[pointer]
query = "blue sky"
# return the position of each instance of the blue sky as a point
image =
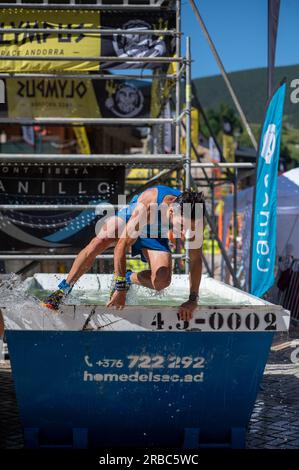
(239, 31)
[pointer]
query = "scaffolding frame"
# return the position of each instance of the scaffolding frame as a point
(169, 163)
(173, 162)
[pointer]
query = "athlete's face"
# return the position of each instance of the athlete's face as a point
(181, 225)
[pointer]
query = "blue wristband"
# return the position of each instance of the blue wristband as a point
(64, 286)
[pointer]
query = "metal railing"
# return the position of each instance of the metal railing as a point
(152, 5)
(288, 289)
(140, 160)
(61, 257)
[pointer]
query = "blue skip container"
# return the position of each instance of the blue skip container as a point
(141, 377)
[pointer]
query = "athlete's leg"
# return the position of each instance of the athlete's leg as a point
(106, 237)
(158, 277)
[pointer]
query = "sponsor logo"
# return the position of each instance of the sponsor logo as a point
(124, 100)
(136, 44)
(19, 39)
(51, 89)
(269, 143)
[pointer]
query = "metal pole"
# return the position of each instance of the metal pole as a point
(86, 159)
(154, 60)
(59, 207)
(223, 165)
(235, 219)
(188, 137)
(188, 115)
(100, 31)
(273, 19)
(212, 235)
(178, 78)
(87, 6)
(91, 76)
(224, 74)
(42, 257)
(86, 121)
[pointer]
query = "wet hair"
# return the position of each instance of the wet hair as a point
(190, 197)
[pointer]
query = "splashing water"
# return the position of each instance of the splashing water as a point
(13, 291)
(21, 308)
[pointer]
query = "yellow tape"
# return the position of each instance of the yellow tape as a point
(188, 93)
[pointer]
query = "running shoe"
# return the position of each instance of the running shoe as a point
(55, 299)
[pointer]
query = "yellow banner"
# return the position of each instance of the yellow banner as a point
(31, 98)
(155, 107)
(48, 44)
(228, 148)
(82, 139)
(194, 133)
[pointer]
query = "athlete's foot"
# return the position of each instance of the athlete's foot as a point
(54, 300)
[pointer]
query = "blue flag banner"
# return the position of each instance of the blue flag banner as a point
(263, 246)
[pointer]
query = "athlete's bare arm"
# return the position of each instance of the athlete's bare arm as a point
(187, 308)
(131, 232)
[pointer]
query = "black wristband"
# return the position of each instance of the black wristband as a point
(193, 297)
(120, 285)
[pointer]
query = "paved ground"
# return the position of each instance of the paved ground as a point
(275, 419)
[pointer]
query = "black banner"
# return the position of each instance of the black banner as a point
(136, 44)
(60, 184)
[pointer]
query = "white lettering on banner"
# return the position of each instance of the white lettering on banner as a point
(23, 187)
(2, 92)
(81, 190)
(25, 37)
(60, 190)
(51, 89)
(263, 270)
(266, 200)
(262, 246)
(103, 188)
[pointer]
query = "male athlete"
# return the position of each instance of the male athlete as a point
(143, 226)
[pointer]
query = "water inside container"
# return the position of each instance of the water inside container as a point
(15, 292)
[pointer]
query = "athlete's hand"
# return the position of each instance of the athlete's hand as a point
(186, 310)
(118, 299)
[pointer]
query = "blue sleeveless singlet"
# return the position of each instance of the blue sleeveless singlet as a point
(160, 242)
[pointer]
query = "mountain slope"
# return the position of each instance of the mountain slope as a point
(251, 89)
